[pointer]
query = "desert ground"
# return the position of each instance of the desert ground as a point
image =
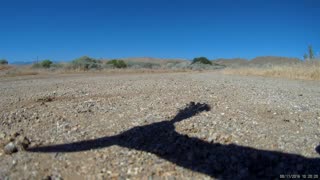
(186, 125)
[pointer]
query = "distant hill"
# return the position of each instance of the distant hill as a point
(152, 60)
(257, 61)
(232, 62)
(273, 60)
(21, 62)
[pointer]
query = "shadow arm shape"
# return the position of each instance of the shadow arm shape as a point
(191, 110)
(77, 146)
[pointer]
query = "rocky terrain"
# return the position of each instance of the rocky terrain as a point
(158, 126)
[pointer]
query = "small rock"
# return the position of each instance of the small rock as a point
(226, 139)
(215, 136)
(14, 162)
(103, 170)
(2, 135)
(46, 178)
(15, 134)
(53, 177)
(23, 142)
(10, 148)
(286, 120)
(210, 139)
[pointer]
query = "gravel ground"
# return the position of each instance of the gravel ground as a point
(158, 126)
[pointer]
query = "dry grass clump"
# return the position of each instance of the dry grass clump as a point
(14, 71)
(4, 67)
(120, 71)
(305, 71)
(27, 71)
(20, 73)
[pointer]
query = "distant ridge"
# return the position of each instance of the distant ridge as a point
(231, 62)
(21, 62)
(147, 59)
(257, 61)
(151, 60)
(274, 60)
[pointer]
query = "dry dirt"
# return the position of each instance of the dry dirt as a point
(158, 126)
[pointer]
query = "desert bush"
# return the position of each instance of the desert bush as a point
(202, 60)
(179, 65)
(201, 66)
(311, 53)
(143, 65)
(310, 56)
(43, 64)
(85, 63)
(46, 63)
(193, 66)
(3, 61)
(117, 63)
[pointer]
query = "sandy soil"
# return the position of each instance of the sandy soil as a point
(150, 126)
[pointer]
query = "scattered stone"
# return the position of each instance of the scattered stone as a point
(2, 135)
(286, 120)
(15, 134)
(22, 142)
(10, 148)
(45, 99)
(53, 177)
(242, 114)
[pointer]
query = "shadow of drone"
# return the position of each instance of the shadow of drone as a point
(214, 159)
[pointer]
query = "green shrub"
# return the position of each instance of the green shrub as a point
(85, 63)
(202, 60)
(117, 63)
(3, 61)
(310, 50)
(46, 63)
(43, 64)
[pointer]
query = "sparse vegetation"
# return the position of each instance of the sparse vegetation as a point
(311, 54)
(117, 63)
(13, 72)
(201, 60)
(5, 67)
(46, 63)
(85, 63)
(3, 62)
(43, 64)
(56, 65)
(307, 71)
(262, 66)
(143, 65)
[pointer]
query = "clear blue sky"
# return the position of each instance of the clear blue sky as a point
(66, 29)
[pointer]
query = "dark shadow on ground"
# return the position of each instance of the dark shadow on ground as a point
(214, 159)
